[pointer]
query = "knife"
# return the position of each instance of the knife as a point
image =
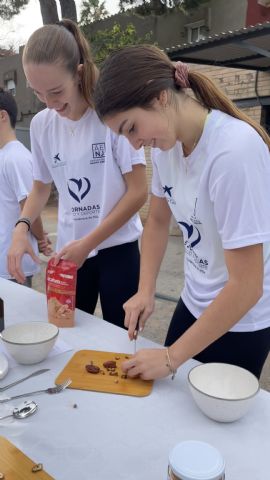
(33, 374)
(135, 335)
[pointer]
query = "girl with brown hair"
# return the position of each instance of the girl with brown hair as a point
(100, 178)
(211, 171)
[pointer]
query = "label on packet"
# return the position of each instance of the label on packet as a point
(61, 282)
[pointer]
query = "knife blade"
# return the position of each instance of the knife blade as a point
(135, 335)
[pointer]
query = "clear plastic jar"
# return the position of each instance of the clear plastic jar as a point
(194, 460)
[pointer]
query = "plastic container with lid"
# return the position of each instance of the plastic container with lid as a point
(194, 460)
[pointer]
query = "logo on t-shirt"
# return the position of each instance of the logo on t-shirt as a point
(168, 192)
(192, 237)
(98, 153)
(193, 217)
(78, 188)
(57, 161)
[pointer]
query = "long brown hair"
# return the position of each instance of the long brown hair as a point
(63, 43)
(134, 76)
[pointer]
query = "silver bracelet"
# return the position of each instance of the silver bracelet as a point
(169, 364)
(25, 220)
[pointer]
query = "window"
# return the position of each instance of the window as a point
(10, 80)
(11, 87)
(196, 31)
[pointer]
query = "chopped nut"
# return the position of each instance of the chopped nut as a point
(113, 374)
(37, 468)
(124, 375)
(109, 364)
(127, 357)
(117, 358)
(92, 368)
(116, 381)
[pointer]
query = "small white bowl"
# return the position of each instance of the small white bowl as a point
(29, 342)
(222, 391)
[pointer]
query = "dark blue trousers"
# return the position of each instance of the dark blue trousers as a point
(113, 275)
(245, 349)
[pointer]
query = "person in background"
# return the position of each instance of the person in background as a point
(16, 178)
(100, 178)
(211, 171)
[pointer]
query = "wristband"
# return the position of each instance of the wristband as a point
(173, 371)
(25, 220)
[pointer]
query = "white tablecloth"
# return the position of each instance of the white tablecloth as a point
(120, 437)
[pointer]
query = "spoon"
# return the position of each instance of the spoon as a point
(23, 411)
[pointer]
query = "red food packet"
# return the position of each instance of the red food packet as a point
(61, 282)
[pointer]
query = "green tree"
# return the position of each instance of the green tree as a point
(10, 8)
(105, 41)
(159, 7)
(92, 11)
(48, 8)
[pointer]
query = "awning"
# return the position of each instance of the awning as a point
(244, 48)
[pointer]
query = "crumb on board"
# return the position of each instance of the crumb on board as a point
(37, 467)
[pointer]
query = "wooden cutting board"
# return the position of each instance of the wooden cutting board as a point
(102, 382)
(15, 465)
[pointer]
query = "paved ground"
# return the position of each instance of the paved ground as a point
(170, 283)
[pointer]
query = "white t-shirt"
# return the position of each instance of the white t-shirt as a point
(220, 198)
(86, 161)
(16, 178)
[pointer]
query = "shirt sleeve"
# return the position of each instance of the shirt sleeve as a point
(156, 186)
(19, 175)
(40, 169)
(125, 155)
(239, 184)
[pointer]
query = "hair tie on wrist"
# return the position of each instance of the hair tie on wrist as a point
(181, 75)
(25, 220)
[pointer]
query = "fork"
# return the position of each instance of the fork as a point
(57, 389)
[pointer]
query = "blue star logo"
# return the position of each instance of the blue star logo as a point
(167, 190)
(57, 158)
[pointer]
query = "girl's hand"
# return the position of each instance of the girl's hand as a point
(44, 245)
(147, 364)
(139, 307)
(19, 246)
(75, 251)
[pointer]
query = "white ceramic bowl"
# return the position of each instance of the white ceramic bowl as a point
(223, 392)
(29, 342)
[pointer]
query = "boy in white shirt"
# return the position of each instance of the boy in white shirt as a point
(15, 183)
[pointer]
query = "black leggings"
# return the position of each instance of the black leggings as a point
(245, 349)
(113, 274)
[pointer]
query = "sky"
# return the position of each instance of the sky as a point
(16, 31)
